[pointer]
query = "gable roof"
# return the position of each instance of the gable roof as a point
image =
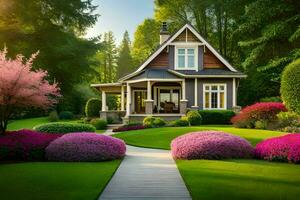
(168, 42)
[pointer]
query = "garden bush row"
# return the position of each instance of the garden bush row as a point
(64, 127)
(32, 145)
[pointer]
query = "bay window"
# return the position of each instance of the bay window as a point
(214, 96)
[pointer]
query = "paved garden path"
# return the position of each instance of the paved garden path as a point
(146, 174)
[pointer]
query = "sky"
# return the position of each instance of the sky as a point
(120, 15)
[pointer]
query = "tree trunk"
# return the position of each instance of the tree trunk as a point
(219, 27)
(225, 35)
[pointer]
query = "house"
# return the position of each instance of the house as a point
(185, 72)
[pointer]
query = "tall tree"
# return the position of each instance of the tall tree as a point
(125, 63)
(54, 28)
(146, 40)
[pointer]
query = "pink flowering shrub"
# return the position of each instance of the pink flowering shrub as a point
(284, 148)
(210, 145)
(265, 111)
(24, 145)
(85, 147)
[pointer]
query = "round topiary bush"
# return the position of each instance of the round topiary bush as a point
(290, 84)
(66, 115)
(210, 145)
(64, 127)
(284, 148)
(24, 145)
(99, 124)
(85, 147)
(93, 107)
(194, 117)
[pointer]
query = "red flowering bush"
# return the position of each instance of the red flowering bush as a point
(25, 145)
(210, 145)
(85, 147)
(264, 112)
(284, 148)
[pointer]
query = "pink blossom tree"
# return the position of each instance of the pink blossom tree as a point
(21, 87)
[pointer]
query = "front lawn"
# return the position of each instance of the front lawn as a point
(240, 179)
(162, 137)
(53, 180)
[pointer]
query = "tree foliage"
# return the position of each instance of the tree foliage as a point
(125, 62)
(21, 87)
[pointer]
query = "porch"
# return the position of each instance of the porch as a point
(164, 98)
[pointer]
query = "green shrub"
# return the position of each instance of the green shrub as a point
(261, 124)
(93, 107)
(216, 116)
(194, 117)
(181, 122)
(99, 124)
(64, 127)
(290, 84)
(110, 120)
(66, 115)
(53, 116)
(288, 119)
(270, 99)
(151, 122)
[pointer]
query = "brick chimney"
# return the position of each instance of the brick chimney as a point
(164, 33)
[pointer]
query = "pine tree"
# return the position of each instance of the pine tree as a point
(124, 63)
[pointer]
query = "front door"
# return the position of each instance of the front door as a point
(139, 101)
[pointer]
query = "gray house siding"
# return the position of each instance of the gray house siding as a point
(190, 91)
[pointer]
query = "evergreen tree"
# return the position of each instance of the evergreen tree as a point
(125, 64)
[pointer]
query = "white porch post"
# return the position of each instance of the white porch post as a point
(183, 90)
(122, 98)
(149, 91)
(196, 93)
(128, 100)
(233, 92)
(103, 101)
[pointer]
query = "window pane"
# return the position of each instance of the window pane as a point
(175, 98)
(181, 51)
(191, 51)
(191, 62)
(214, 100)
(222, 100)
(221, 87)
(181, 61)
(214, 87)
(206, 87)
(206, 99)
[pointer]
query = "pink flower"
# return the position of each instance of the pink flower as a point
(210, 145)
(85, 147)
(284, 148)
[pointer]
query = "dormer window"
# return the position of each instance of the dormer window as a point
(186, 58)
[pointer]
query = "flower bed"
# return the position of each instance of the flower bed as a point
(129, 128)
(210, 145)
(85, 147)
(264, 112)
(25, 145)
(284, 148)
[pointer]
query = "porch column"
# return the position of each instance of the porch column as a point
(196, 94)
(233, 93)
(183, 101)
(128, 100)
(122, 98)
(149, 101)
(103, 101)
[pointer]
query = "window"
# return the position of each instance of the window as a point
(186, 58)
(214, 96)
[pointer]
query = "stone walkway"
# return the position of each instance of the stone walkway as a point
(146, 174)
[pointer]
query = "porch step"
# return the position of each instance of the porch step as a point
(113, 126)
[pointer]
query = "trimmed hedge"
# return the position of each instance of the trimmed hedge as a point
(180, 122)
(290, 84)
(66, 115)
(93, 107)
(194, 117)
(216, 116)
(64, 127)
(99, 124)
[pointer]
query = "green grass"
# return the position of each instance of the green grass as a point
(162, 137)
(32, 122)
(240, 179)
(50, 180)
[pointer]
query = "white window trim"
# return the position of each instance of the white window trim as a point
(195, 47)
(218, 103)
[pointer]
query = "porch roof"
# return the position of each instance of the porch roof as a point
(108, 87)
